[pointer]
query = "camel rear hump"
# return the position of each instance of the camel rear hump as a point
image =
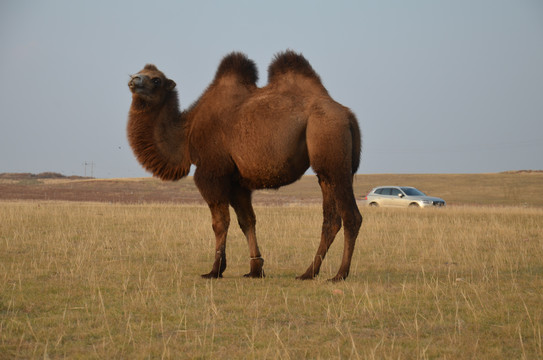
(290, 61)
(290, 70)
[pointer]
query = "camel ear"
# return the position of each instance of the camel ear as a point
(170, 85)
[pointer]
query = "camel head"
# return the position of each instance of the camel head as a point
(150, 85)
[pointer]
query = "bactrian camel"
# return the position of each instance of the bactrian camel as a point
(241, 138)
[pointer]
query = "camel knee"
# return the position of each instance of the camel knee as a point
(220, 219)
(331, 225)
(353, 222)
(246, 224)
(359, 219)
(336, 223)
(220, 226)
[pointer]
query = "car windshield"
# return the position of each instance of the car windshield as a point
(412, 192)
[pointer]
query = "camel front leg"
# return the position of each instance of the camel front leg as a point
(240, 200)
(220, 221)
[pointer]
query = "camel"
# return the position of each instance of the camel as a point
(241, 138)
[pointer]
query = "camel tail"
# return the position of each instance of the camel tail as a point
(356, 142)
(240, 65)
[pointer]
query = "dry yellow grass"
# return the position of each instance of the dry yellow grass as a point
(90, 280)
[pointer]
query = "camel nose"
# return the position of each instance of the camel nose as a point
(135, 81)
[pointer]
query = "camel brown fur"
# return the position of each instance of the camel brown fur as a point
(242, 138)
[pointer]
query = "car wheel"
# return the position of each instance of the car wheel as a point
(414, 205)
(374, 204)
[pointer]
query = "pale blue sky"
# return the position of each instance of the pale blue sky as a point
(437, 86)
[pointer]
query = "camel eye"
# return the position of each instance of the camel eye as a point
(156, 81)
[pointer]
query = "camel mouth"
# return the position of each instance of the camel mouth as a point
(136, 83)
(134, 88)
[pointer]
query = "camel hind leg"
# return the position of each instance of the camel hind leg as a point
(330, 143)
(352, 220)
(331, 224)
(339, 205)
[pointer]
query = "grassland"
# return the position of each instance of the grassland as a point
(111, 280)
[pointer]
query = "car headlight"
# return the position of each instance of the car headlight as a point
(426, 202)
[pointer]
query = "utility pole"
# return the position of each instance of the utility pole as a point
(86, 163)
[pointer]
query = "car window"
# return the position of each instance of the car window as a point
(394, 191)
(378, 191)
(385, 191)
(412, 191)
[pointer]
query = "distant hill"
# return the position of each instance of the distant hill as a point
(43, 175)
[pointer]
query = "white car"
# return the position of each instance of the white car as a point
(401, 196)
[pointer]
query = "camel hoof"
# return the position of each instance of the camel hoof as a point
(256, 275)
(337, 278)
(211, 275)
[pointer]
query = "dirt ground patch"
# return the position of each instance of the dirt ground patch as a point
(140, 190)
(521, 188)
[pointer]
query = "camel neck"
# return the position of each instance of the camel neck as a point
(157, 136)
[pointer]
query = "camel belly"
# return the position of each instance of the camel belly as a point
(272, 177)
(272, 166)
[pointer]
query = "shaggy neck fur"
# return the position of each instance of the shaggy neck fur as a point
(158, 137)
